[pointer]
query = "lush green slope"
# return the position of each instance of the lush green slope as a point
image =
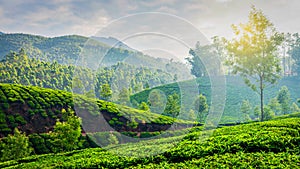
(35, 110)
(267, 144)
(236, 92)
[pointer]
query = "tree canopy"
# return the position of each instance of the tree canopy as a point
(253, 52)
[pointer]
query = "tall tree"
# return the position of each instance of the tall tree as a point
(295, 53)
(284, 98)
(173, 105)
(246, 110)
(253, 53)
(105, 91)
(275, 106)
(198, 68)
(202, 107)
(124, 97)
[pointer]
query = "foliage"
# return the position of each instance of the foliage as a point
(275, 106)
(105, 92)
(173, 105)
(295, 108)
(283, 98)
(236, 91)
(295, 51)
(66, 134)
(204, 60)
(267, 144)
(18, 68)
(41, 107)
(269, 114)
(144, 106)
(198, 67)
(246, 110)
(201, 107)
(253, 53)
(15, 146)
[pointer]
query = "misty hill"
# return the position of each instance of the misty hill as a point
(70, 49)
(113, 42)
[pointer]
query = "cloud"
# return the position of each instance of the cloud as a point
(214, 17)
(223, 1)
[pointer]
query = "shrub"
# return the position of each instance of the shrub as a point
(15, 146)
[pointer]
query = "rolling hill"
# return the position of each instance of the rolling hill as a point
(96, 52)
(236, 92)
(35, 110)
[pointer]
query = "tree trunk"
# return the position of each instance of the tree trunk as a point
(261, 99)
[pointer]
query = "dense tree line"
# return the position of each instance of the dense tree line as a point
(18, 68)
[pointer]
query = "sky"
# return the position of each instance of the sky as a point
(143, 23)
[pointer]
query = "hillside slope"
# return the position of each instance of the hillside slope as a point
(236, 92)
(270, 144)
(35, 110)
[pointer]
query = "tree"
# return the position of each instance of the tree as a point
(201, 106)
(124, 98)
(105, 92)
(246, 110)
(284, 98)
(275, 106)
(295, 108)
(295, 52)
(157, 101)
(173, 105)
(191, 115)
(198, 68)
(256, 112)
(66, 134)
(15, 146)
(269, 114)
(252, 53)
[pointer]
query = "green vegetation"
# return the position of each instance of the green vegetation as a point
(202, 107)
(35, 110)
(252, 53)
(54, 128)
(18, 68)
(14, 146)
(65, 135)
(272, 143)
(283, 98)
(68, 50)
(246, 110)
(236, 91)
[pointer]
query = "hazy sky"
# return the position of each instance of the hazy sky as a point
(87, 17)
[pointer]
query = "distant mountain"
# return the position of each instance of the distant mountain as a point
(1, 33)
(113, 42)
(68, 49)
